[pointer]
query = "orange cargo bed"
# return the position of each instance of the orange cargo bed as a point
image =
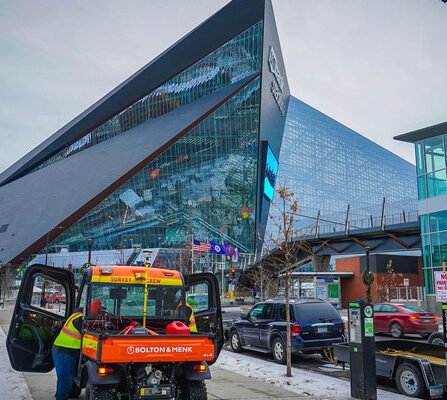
(148, 349)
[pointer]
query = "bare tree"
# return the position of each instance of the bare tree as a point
(289, 253)
(185, 257)
(385, 283)
(263, 280)
(121, 257)
(7, 278)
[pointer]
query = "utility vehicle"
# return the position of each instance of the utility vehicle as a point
(133, 349)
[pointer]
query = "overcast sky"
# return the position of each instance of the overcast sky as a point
(379, 67)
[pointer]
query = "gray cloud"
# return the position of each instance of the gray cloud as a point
(378, 67)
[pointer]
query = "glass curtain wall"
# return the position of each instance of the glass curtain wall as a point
(431, 167)
(432, 182)
(200, 186)
(237, 59)
(434, 245)
(330, 166)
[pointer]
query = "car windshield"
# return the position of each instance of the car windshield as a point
(412, 308)
(315, 312)
(127, 300)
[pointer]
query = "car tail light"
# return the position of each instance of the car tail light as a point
(199, 367)
(435, 317)
(296, 330)
(344, 326)
(413, 317)
(104, 370)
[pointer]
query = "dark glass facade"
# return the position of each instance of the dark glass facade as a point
(202, 186)
(236, 60)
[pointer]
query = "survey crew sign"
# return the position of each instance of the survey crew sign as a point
(441, 286)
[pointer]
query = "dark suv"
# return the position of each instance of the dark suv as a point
(316, 325)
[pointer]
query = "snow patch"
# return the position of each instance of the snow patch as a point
(11, 382)
(303, 382)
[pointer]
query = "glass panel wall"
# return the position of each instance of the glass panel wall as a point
(201, 186)
(237, 59)
(330, 166)
(431, 167)
(434, 245)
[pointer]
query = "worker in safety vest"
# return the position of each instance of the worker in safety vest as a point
(190, 315)
(66, 351)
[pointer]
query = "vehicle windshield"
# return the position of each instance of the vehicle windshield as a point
(127, 300)
(412, 308)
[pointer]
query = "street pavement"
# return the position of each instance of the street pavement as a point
(224, 385)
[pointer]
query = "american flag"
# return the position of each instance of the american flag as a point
(201, 246)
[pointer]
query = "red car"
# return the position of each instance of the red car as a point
(399, 319)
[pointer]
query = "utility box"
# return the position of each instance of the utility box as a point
(362, 349)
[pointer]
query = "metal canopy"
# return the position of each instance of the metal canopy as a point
(399, 237)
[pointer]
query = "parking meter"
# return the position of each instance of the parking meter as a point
(362, 351)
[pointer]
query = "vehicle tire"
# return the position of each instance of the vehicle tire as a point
(99, 392)
(193, 390)
(436, 338)
(396, 330)
(409, 380)
(235, 342)
(75, 391)
(279, 351)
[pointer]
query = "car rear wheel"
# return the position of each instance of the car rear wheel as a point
(235, 342)
(409, 380)
(436, 338)
(396, 330)
(279, 351)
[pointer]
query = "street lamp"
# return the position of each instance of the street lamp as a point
(147, 254)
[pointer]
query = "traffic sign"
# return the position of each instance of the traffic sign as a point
(441, 286)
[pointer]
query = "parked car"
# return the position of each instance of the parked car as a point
(229, 316)
(55, 297)
(399, 319)
(316, 325)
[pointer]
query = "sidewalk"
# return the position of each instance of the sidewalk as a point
(12, 383)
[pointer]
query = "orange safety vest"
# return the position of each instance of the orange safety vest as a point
(69, 336)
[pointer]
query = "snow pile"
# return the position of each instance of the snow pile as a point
(12, 382)
(303, 382)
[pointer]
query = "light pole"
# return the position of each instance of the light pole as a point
(368, 278)
(89, 247)
(147, 254)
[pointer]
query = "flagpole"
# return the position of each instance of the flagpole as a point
(192, 254)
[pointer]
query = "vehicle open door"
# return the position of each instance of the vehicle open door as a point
(203, 297)
(45, 300)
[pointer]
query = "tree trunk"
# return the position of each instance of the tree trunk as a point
(288, 330)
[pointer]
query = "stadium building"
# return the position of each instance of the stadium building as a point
(189, 148)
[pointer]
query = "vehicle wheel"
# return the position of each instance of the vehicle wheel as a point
(396, 330)
(99, 392)
(75, 391)
(194, 390)
(279, 351)
(235, 342)
(436, 338)
(409, 380)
